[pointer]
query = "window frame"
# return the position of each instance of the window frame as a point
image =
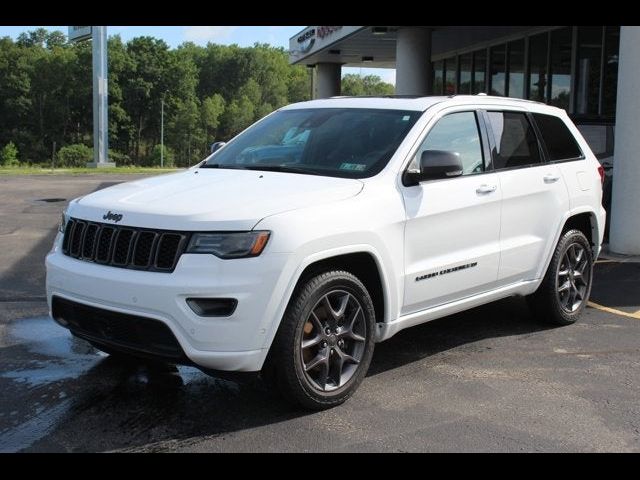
(544, 145)
(544, 159)
(484, 145)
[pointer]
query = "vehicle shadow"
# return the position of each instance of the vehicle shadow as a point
(135, 406)
(504, 318)
(24, 280)
(617, 284)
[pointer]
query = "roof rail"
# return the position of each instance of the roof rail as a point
(384, 96)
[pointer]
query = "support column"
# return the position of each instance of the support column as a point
(327, 80)
(100, 102)
(625, 206)
(413, 61)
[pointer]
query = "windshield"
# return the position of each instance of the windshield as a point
(338, 142)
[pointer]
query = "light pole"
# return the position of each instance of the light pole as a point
(98, 35)
(162, 129)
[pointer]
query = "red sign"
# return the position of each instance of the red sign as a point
(326, 31)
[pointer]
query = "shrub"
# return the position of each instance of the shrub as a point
(169, 156)
(120, 159)
(75, 155)
(9, 155)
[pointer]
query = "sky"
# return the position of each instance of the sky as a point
(244, 36)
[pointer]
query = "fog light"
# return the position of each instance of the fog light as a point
(212, 307)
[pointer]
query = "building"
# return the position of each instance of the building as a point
(592, 72)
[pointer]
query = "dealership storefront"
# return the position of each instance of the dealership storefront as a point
(593, 72)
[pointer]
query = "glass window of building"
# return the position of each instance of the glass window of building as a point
(479, 69)
(560, 68)
(464, 87)
(450, 74)
(437, 77)
(610, 77)
(516, 69)
(498, 70)
(588, 70)
(538, 49)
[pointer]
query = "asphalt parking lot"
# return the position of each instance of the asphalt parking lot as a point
(491, 379)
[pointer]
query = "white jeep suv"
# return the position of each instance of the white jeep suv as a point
(331, 225)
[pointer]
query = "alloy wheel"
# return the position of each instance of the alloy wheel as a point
(573, 278)
(333, 340)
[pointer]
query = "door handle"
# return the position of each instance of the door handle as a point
(551, 178)
(485, 189)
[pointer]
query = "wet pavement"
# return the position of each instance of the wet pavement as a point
(491, 379)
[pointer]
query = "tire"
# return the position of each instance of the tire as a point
(564, 291)
(333, 314)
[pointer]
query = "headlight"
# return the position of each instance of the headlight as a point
(63, 222)
(229, 245)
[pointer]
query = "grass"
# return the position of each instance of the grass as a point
(82, 170)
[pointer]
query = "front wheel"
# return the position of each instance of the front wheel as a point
(565, 290)
(325, 342)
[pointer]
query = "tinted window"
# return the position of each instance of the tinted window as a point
(437, 77)
(450, 68)
(560, 67)
(558, 139)
(338, 142)
(479, 67)
(538, 46)
(465, 74)
(456, 132)
(589, 67)
(516, 143)
(610, 80)
(498, 70)
(516, 69)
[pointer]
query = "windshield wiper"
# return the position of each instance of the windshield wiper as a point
(265, 167)
(215, 165)
(281, 168)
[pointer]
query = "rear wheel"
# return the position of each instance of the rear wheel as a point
(325, 342)
(565, 290)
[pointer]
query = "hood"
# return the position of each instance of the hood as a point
(210, 199)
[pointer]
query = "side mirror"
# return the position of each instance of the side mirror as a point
(434, 164)
(217, 146)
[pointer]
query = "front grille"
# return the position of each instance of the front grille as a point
(123, 247)
(118, 330)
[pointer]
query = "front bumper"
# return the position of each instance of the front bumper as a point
(234, 343)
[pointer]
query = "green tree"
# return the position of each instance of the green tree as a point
(211, 111)
(238, 116)
(365, 85)
(210, 93)
(143, 86)
(9, 155)
(168, 160)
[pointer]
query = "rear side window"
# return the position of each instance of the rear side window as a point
(516, 144)
(558, 139)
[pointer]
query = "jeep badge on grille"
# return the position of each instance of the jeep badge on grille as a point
(116, 217)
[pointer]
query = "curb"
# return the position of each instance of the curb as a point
(607, 254)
